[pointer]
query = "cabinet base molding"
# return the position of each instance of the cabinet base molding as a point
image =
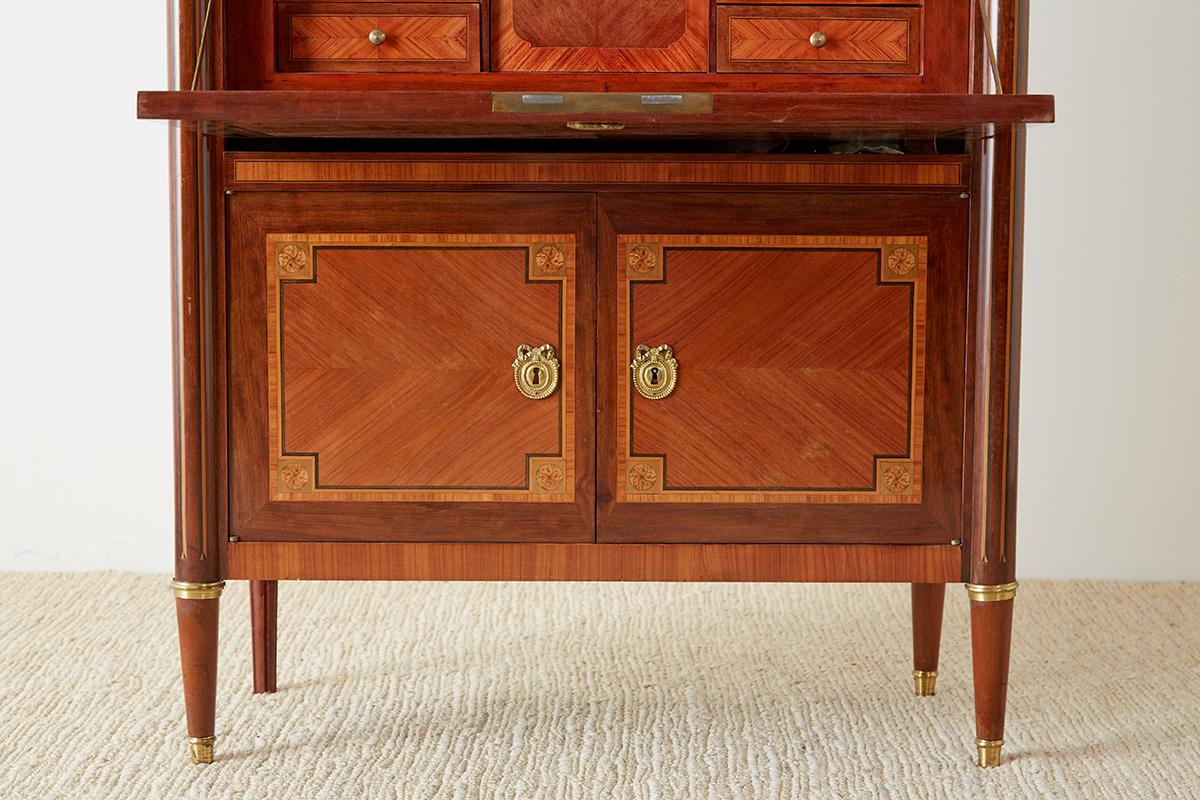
(592, 562)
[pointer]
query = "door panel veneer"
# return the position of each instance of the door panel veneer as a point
(586, 36)
(373, 340)
(818, 392)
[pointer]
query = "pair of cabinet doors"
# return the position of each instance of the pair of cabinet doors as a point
(452, 366)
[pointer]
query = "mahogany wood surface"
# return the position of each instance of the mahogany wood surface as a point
(255, 511)
(591, 562)
(197, 620)
(928, 605)
(196, 315)
(613, 36)
(390, 171)
(469, 113)
(575, 38)
(935, 518)
(877, 41)
(803, 367)
(264, 620)
(230, 521)
(393, 356)
(421, 37)
(991, 642)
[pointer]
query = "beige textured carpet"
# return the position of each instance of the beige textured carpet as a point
(594, 691)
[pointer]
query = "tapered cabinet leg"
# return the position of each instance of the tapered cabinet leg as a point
(991, 639)
(928, 601)
(196, 609)
(263, 615)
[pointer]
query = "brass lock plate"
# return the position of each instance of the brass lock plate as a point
(655, 371)
(535, 371)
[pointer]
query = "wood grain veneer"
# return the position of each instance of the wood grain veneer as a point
(775, 517)
(591, 562)
(872, 40)
(586, 36)
(464, 113)
(316, 171)
(805, 382)
(421, 37)
(390, 362)
(368, 325)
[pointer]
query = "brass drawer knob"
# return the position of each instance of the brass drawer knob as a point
(376, 37)
(818, 39)
(655, 371)
(536, 371)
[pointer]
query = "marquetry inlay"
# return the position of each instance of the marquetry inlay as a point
(547, 474)
(900, 261)
(293, 260)
(549, 259)
(896, 477)
(295, 476)
(803, 364)
(346, 412)
(644, 261)
(644, 476)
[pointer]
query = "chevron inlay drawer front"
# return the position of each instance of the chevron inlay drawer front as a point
(378, 37)
(831, 39)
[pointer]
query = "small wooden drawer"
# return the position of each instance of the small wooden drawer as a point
(378, 37)
(860, 40)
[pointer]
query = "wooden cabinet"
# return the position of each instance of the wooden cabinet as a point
(375, 384)
(814, 384)
(669, 290)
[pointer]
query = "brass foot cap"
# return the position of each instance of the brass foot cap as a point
(989, 752)
(925, 682)
(202, 749)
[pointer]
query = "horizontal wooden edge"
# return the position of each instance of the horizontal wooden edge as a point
(281, 171)
(347, 109)
(593, 562)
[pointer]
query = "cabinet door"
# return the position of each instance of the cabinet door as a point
(411, 367)
(782, 367)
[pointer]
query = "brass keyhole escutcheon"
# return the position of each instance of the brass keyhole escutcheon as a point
(536, 371)
(655, 371)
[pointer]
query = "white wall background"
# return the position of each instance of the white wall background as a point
(1110, 427)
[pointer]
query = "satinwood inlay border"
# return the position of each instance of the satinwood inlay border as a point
(645, 477)
(294, 258)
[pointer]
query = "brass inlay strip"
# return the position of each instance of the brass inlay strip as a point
(602, 103)
(197, 591)
(203, 42)
(992, 594)
(991, 49)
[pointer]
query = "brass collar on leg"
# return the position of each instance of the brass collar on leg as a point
(197, 591)
(202, 749)
(992, 594)
(925, 682)
(988, 751)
